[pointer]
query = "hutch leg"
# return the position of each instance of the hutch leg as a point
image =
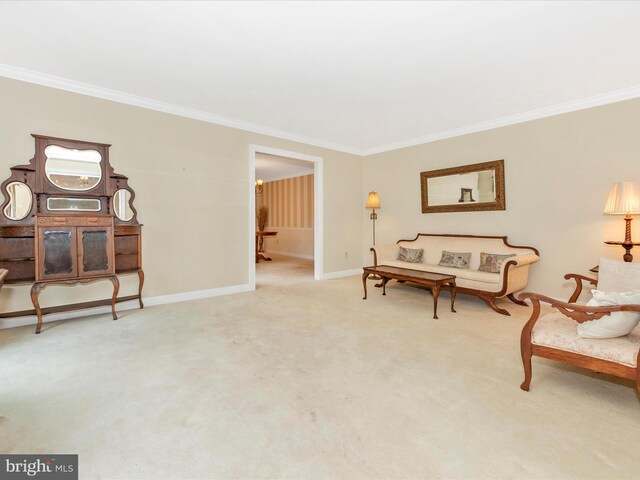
(436, 292)
(140, 284)
(116, 287)
(453, 297)
(364, 284)
(35, 292)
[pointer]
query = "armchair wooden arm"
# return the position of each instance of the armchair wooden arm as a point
(580, 314)
(579, 279)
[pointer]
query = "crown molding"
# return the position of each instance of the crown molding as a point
(60, 83)
(582, 104)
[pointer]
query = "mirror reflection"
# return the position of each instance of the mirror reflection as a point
(122, 205)
(466, 188)
(71, 169)
(73, 204)
(476, 187)
(20, 201)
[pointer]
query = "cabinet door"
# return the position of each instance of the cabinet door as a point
(57, 253)
(95, 251)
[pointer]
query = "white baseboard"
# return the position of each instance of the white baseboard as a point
(289, 254)
(343, 273)
(128, 305)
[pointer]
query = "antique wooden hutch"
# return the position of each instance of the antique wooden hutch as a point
(68, 218)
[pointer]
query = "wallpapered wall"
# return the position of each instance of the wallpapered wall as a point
(290, 205)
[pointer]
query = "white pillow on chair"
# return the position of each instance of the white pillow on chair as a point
(617, 324)
(617, 276)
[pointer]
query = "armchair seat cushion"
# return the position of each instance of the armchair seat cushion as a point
(558, 331)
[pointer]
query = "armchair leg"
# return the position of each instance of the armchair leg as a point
(516, 301)
(525, 351)
(491, 301)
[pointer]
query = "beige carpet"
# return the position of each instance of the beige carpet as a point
(309, 381)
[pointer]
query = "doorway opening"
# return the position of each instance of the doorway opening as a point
(285, 224)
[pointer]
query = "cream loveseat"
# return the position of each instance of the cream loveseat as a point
(512, 277)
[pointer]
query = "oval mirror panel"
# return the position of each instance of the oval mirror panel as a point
(20, 201)
(121, 205)
(71, 169)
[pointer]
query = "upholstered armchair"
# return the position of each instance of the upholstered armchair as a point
(569, 334)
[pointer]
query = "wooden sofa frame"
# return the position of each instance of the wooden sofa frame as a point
(488, 297)
(580, 314)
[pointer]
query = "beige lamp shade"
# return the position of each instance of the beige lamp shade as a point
(373, 201)
(624, 198)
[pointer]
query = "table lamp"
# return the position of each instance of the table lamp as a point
(624, 199)
(373, 202)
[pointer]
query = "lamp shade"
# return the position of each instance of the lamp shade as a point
(624, 198)
(373, 201)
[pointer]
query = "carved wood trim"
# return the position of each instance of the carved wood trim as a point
(457, 235)
(17, 231)
(52, 221)
(127, 229)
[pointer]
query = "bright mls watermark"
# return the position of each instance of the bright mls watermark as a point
(49, 467)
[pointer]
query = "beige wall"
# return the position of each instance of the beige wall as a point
(290, 206)
(558, 172)
(192, 189)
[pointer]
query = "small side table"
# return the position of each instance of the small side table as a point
(260, 256)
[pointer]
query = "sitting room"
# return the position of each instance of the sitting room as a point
(454, 286)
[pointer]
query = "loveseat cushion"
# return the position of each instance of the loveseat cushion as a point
(460, 273)
(491, 262)
(455, 259)
(410, 255)
(558, 331)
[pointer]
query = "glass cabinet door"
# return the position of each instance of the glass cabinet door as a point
(95, 251)
(58, 253)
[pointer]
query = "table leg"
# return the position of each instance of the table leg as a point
(453, 295)
(140, 284)
(364, 284)
(384, 285)
(116, 287)
(436, 292)
(257, 255)
(35, 291)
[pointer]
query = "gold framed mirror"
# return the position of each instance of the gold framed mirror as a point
(468, 188)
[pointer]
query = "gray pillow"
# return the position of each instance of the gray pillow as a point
(455, 259)
(491, 262)
(410, 255)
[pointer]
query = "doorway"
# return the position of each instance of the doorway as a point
(291, 191)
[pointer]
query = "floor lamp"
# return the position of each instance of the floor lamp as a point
(624, 199)
(373, 202)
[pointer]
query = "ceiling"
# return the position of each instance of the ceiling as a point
(360, 77)
(273, 167)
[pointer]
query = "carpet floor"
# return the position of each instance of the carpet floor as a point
(309, 381)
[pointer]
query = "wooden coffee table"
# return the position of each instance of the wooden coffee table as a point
(429, 279)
